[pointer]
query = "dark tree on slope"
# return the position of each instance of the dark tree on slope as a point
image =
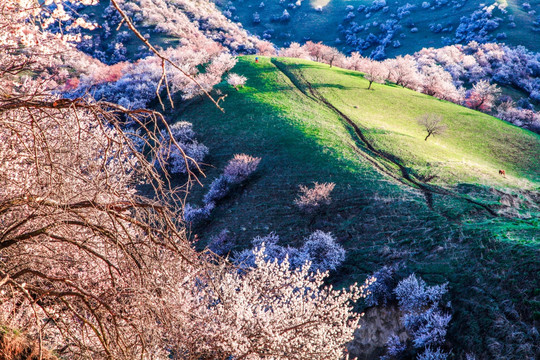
(432, 124)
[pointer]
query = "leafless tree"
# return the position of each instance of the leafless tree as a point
(432, 124)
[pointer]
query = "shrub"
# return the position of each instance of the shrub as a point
(428, 327)
(237, 170)
(394, 347)
(413, 294)
(219, 188)
(272, 252)
(194, 214)
(380, 290)
(322, 250)
(195, 151)
(310, 199)
(240, 167)
(423, 318)
(183, 131)
(183, 135)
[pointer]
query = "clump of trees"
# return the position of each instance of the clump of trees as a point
(181, 152)
(423, 315)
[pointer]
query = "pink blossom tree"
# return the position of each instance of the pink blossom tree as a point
(236, 81)
(482, 95)
(310, 199)
(375, 71)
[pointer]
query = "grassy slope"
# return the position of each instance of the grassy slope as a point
(378, 216)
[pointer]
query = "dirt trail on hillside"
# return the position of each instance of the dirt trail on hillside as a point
(406, 178)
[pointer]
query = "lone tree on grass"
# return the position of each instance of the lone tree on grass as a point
(311, 199)
(432, 123)
(236, 80)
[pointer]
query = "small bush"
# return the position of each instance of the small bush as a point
(219, 188)
(394, 348)
(428, 327)
(194, 150)
(320, 249)
(272, 251)
(323, 251)
(240, 167)
(311, 199)
(423, 318)
(236, 80)
(380, 291)
(413, 294)
(194, 214)
(184, 136)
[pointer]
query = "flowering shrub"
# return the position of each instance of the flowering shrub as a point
(310, 199)
(219, 188)
(236, 171)
(427, 327)
(413, 294)
(394, 347)
(430, 354)
(194, 214)
(423, 317)
(272, 252)
(240, 167)
(380, 290)
(322, 250)
(236, 80)
(319, 249)
(183, 135)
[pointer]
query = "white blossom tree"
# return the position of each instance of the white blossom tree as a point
(236, 81)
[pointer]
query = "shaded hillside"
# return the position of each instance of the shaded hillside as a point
(437, 207)
(400, 27)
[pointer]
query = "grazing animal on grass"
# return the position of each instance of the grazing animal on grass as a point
(502, 173)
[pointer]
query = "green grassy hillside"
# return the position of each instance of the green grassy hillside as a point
(468, 225)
